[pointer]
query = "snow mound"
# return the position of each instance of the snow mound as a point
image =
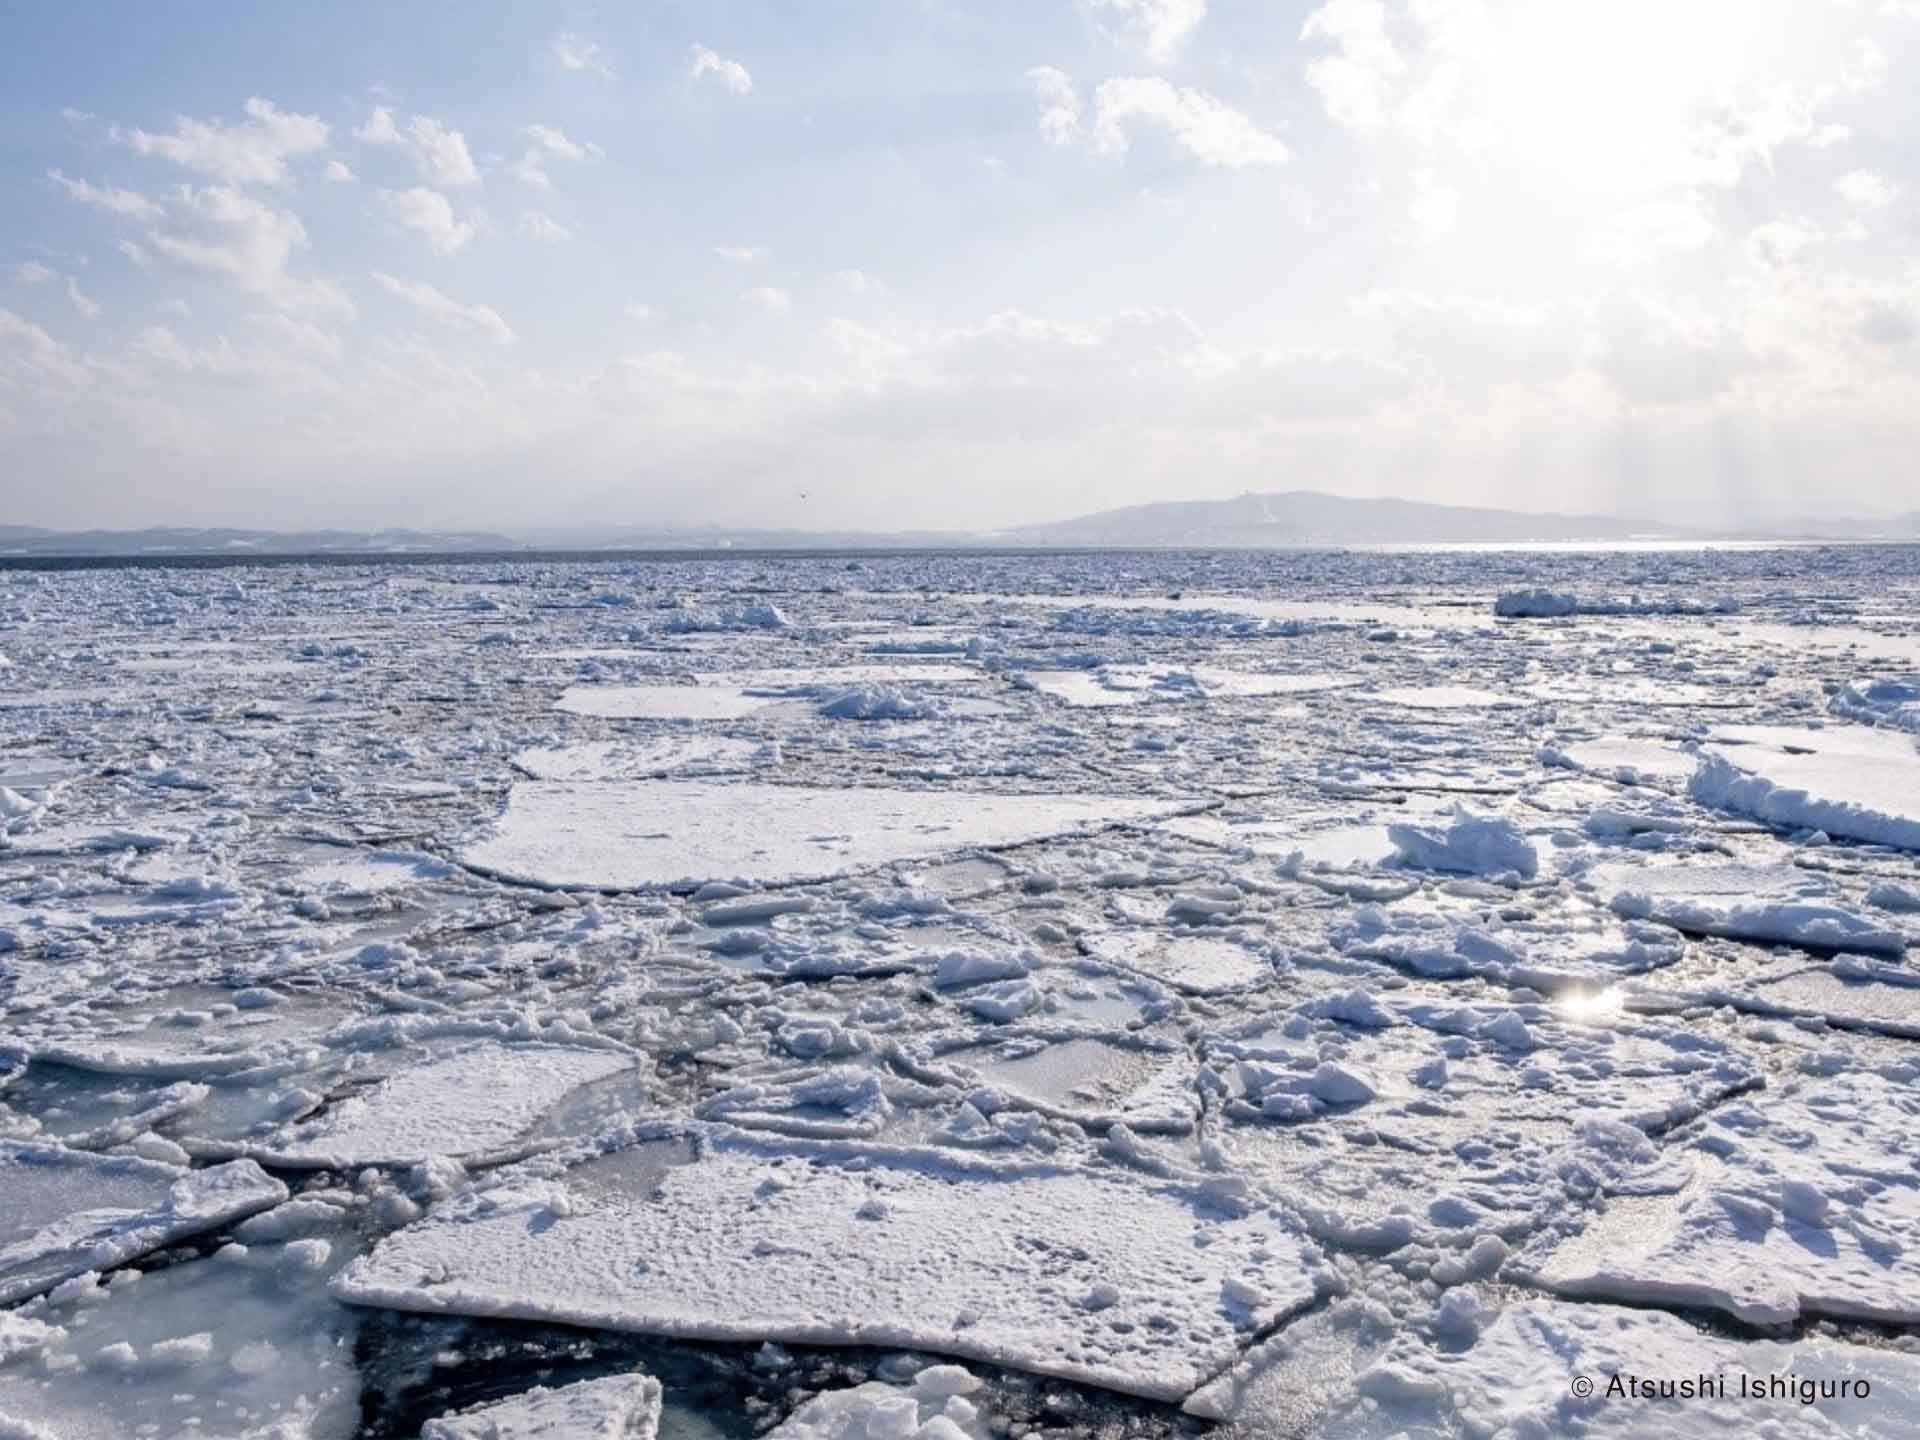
(1892, 703)
(1535, 604)
(934, 1407)
(818, 1244)
(1471, 845)
(880, 702)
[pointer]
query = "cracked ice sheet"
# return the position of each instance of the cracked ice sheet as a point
(472, 1104)
(615, 1407)
(1851, 782)
(644, 759)
(1518, 1376)
(1801, 1202)
(1386, 1120)
(644, 835)
(1099, 1276)
(1779, 903)
(68, 1211)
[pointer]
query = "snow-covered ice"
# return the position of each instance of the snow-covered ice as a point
(1337, 993)
(618, 1407)
(677, 835)
(1140, 1285)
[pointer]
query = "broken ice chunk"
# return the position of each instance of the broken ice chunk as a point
(68, 1211)
(616, 1407)
(473, 1103)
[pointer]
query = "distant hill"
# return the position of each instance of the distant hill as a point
(1282, 520)
(1308, 517)
(188, 540)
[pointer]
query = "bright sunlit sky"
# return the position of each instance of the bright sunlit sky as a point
(954, 263)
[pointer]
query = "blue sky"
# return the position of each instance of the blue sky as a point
(968, 264)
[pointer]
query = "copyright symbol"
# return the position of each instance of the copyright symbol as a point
(1582, 1386)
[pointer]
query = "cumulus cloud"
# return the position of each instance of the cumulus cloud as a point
(730, 73)
(253, 151)
(430, 214)
(1210, 130)
(478, 319)
(1159, 27)
(440, 154)
(1356, 81)
(742, 254)
(130, 203)
(31, 272)
(546, 142)
(224, 232)
(576, 52)
(339, 172)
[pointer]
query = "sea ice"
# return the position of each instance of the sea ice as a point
(1523, 1376)
(1779, 904)
(1849, 782)
(1804, 1202)
(615, 1407)
(672, 835)
(473, 1103)
(68, 1211)
(817, 1244)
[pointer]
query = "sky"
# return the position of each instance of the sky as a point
(891, 264)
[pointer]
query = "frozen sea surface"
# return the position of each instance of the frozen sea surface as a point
(961, 996)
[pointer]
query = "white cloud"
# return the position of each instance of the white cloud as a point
(300, 334)
(576, 52)
(768, 298)
(1356, 82)
(440, 154)
(637, 311)
(1060, 108)
(480, 319)
(85, 304)
(252, 152)
(339, 172)
(1212, 131)
(31, 272)
(543, 228)
(130, 203)
(731, 73)
(1782, 244)
(545, 142)
(1160, 27)
(221, 231)
(1865, 190)
(856, 282)
(431, 214)
(25, 346)
(742, 254)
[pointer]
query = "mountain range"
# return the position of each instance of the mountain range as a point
(1281, 520)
